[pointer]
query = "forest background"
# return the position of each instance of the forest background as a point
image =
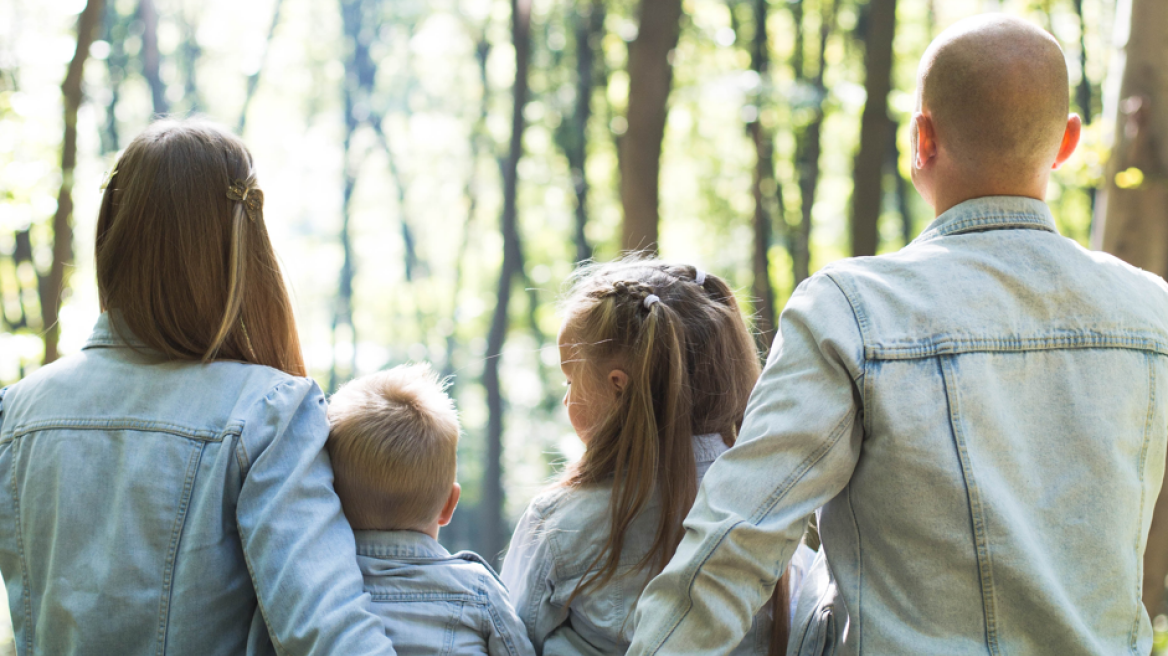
(433, 169)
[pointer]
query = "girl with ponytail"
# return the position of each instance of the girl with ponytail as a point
(659, 365)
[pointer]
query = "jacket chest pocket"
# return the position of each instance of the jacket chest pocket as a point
(819, 639)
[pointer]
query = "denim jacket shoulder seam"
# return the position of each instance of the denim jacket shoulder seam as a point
(130, 423)
(862, 323)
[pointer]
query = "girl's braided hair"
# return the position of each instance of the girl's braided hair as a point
(691, 364)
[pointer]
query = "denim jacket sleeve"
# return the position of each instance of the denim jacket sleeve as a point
(798, 448)
(508, 635)
(299, 549)
(527, 573)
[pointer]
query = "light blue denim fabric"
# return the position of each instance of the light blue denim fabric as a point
(983, 418)
(555, 545)
(166, 507)
(434, 603)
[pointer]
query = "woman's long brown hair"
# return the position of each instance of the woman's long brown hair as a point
(691, 364)
(187, 270)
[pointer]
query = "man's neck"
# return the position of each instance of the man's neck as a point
(949, 195)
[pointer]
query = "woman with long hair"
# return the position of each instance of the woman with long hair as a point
(166, 489)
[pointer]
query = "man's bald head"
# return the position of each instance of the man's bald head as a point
(995, 88)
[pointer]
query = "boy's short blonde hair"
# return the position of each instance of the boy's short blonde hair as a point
(393, 440)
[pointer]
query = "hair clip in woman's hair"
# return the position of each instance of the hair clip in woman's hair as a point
(109, 177)
(251, 197)
(650, 300)
(699, 277)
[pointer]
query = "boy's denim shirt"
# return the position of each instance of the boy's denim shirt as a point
(433, 603)
(556, 544)
(154, 506)
(983, 418)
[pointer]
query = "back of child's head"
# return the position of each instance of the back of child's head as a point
(691, 363)
(183, 255)
(393, 441)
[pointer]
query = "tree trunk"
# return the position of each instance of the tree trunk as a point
(589, 28)
(151, 58)
(253, 80)
(1133, 203)
(52, 287)
(494, 530)
(763, 182)
(868, 177)
(650, 78)
(808, 142)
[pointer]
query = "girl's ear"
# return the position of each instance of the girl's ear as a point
(618, 381)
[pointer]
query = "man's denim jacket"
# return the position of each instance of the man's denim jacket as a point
(435, 603)
(982, 416)
(171, 507)
(556, 544)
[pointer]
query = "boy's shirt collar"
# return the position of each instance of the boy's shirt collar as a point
(398, 544)
(991, 213)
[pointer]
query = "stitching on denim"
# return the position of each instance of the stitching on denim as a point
(500, 628)
(202, 435)
(1143, 462)
(1069, 340)
(172, 550)
(776, 496)
(976, 511)
(860, 577)
(26, 594)
(426, 597)
(455, 619)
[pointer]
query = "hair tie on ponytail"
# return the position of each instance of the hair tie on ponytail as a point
(650, 300)
(699, 277)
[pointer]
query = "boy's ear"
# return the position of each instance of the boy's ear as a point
(619, 380)
(451, 503)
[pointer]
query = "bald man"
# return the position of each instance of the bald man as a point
(981, 418)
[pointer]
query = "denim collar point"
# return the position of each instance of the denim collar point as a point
(991, 213)
(104, 334)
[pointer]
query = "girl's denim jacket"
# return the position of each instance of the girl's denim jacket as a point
(983, 418)
(153, 506)
(555, 545)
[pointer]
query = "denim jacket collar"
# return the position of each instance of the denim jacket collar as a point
(991, 213)
(398, 544)
(104, 335)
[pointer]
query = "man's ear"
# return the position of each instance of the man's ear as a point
(925, 140)
(618, 380)
(1070, 140)
(451, 503)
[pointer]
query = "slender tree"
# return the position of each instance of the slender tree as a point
(1132, 219)
(511, 268)
(765, 191)
(253, 80)
(650, 79)
(572, 134)
(868, 176)
(151, 57)
(808, 140)
(52, 286)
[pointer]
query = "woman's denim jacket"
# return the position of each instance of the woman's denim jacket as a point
(555, 545)
(171, 507)
(983, 417)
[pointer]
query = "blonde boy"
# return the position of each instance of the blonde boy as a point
(394, 442)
